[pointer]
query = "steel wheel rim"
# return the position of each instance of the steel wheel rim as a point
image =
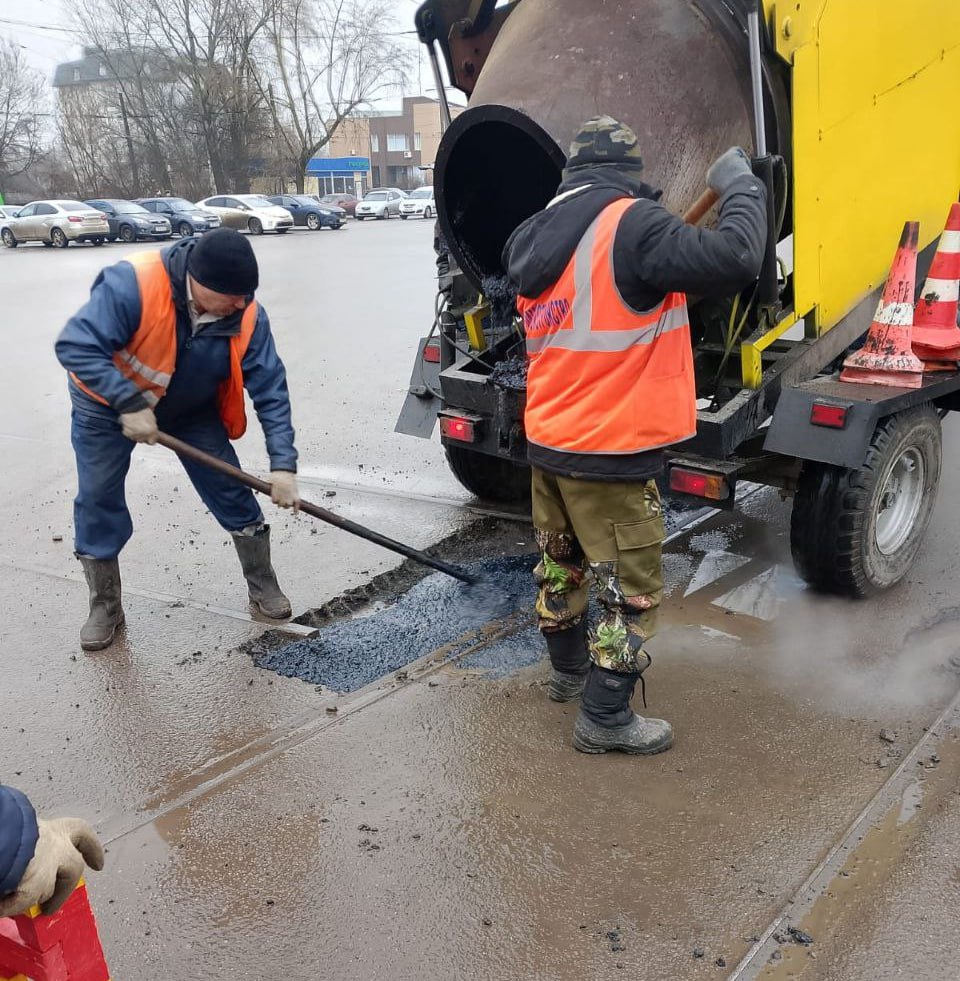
(900, 500)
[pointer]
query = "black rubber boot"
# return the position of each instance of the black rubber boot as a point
(106, 613)
(607, 722)
(570, 661)
(265, 592)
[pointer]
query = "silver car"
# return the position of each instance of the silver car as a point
(56, 223)
(381, 202)
(250, 212)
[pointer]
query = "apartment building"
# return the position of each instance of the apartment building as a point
(398, 148)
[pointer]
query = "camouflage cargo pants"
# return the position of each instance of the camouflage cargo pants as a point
(616, 530)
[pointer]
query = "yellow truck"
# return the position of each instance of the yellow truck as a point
(848, 109)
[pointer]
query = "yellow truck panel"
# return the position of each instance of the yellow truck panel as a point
(876, 141)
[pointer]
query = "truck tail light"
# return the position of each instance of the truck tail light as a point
(431, 351)
(713, 486)
(461, 428)
(826, 414)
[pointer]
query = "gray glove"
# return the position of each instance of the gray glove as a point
(140, 426)
(63, 847)
(733, 164)
(283, 489)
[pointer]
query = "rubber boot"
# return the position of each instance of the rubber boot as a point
(607, 722)
(265, 592)
(570, 661)
(106, 613)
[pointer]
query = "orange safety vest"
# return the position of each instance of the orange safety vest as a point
(603, 378)
(150, 357)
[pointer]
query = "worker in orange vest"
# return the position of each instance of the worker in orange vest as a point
(602, 275)
(169, 340)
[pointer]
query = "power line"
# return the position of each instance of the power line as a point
(42, 27)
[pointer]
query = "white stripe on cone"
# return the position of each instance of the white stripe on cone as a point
(943, 290)
(895, 314)
(949, 242)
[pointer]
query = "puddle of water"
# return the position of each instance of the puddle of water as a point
(762, 596)
(715, 565)
(910, 803)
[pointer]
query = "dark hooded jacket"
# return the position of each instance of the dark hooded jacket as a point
(109, 320)
(654, 253)
(18, 838)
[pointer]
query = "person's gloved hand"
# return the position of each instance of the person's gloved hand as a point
(140, 426)
(63, 846)
(283, 489)
(726, 169)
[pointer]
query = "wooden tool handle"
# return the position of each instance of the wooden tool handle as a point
(314, 510)
(698, 210)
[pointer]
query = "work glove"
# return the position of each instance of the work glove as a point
(733, 164)
(140, 426)
(63, 846)
(283, 489)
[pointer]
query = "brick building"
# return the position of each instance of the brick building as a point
(401, 147)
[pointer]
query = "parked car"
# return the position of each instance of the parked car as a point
(131, 222)
(346, 201)
(57, 222)
(307, 211)
(419, 204)
(185, 217)
(7, 211)
(381, 202)
(253, 212)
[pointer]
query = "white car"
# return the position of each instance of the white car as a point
(419, 204)
(381, 202)
(57, 223)
(252, 212)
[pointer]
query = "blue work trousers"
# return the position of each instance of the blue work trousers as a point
(101, 520)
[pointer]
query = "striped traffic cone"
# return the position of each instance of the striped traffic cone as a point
(936, 339)
(886, 357)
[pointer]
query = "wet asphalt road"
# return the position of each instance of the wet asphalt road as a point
(436, 823)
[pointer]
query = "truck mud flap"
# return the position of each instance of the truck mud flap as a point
(418, 417)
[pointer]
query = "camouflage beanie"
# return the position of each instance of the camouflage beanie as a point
(603, 140)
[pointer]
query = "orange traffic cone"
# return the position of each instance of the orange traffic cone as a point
(887, 358)
(64, 946)
(936, 339)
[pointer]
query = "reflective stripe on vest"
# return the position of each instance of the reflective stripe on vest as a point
(149, 359)
(604, 378)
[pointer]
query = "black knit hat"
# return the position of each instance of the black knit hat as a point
(604, 140)
(224, 262)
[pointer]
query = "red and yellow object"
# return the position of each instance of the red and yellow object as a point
(64, 946)
(936, 339)
(887, 357)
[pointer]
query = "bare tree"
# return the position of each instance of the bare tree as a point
(329, 58)
(211, 46)
(21, 101)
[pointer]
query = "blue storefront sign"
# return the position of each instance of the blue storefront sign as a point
(338, 175)
(337, 166)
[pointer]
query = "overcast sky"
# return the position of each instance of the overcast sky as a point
(44, 32)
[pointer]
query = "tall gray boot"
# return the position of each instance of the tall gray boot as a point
(607, 722)
(106, 613)
(254, 552)
(570, 661)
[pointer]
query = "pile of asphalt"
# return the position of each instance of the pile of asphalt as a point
(436, 612)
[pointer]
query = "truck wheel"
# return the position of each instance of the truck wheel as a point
(489, 477)
(857, 532)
